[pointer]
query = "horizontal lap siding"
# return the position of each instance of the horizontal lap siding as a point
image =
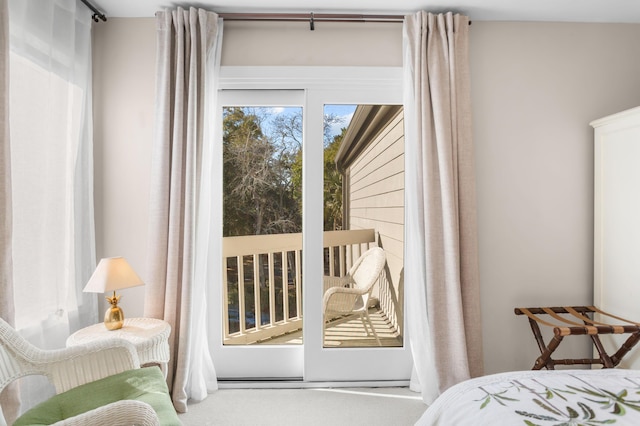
(376, 195)
(387, 178)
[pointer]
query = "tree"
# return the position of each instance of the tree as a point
(333, 185)
(258, 187)
(263, 172)
(332, 188)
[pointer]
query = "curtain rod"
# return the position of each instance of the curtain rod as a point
(312, 18)
(97, 15)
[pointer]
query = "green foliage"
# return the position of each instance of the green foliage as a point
(332, 186)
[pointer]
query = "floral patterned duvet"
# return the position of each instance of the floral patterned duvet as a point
(561, 397)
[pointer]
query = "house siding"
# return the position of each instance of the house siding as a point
(376, 201)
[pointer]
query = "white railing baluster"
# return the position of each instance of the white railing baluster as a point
(298, 285)
(272, 289)
(225, 296)
(283, 266)
(342, 251)
(241, 313)
(257, 310)
(332, 272)
(285, 286)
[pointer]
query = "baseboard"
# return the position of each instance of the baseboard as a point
(301, 384)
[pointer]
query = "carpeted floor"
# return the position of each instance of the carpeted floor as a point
(307, 407)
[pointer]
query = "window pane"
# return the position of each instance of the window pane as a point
(363, 208)
(262, 223)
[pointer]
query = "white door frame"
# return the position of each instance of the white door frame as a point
(249, 361)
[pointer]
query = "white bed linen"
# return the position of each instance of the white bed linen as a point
(560, 397)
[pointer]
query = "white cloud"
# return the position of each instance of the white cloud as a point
(336, 128)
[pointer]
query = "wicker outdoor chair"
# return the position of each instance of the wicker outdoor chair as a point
(349, 295)
(104, 379)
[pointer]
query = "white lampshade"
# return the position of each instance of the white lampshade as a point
(111, 274)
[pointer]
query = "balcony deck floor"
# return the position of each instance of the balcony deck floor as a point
(349, 332)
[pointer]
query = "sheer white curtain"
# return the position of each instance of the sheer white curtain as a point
(180, 255)
(6, 286)
(441, 275)
(9, 397)
(51, 170)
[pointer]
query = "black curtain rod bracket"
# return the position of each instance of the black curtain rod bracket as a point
(97, 15)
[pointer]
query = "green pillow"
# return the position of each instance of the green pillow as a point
(143, 384)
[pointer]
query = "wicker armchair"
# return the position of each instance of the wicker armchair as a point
(77, 366)
(349, 295)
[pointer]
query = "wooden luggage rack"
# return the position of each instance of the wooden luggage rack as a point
(568, 325)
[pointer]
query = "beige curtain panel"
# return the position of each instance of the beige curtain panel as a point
(187, 41)
(442, 275)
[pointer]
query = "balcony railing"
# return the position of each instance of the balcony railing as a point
(263, 280)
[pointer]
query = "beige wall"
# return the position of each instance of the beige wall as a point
(124, 88)
(535, 88)
(330, 44)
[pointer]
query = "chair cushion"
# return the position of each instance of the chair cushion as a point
(143, 384)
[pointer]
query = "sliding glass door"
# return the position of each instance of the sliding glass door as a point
(355, 332)
(261, 289)
(312, 190)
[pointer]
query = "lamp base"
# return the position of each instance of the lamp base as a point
(114, 318)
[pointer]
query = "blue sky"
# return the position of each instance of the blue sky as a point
(339, 110)
(344, 111)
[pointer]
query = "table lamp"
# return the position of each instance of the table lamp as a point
(111, 274)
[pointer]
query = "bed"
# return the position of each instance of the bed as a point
(547, 397)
